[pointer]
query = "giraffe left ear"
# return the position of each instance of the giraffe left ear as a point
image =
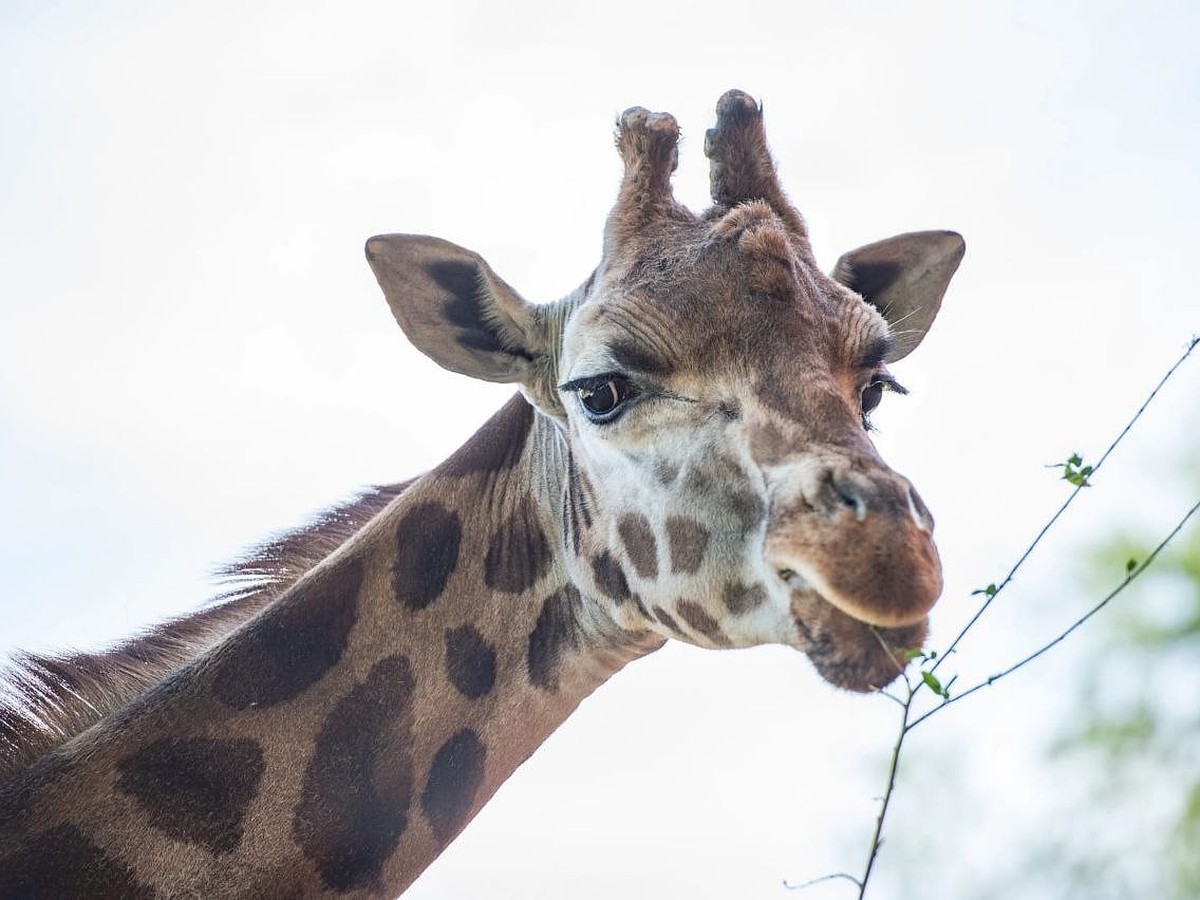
(905, 278)
(455, 309)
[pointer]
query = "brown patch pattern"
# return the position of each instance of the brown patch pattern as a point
(665, 472)
(497, 446)
(701, 622)
(555, 632)
(470, 662)
(688, 540)
(748, 508)
(195, 790)
(427, 544)
(359, 784)
(518, 554)
(667, 619)
(454, 778)
(610, 577)
(293, 643)
(61, 863)
(740, 598)
(638, 537)
(641, 607)
(54, 697)
(577, 500)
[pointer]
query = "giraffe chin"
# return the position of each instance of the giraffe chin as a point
(848, 652)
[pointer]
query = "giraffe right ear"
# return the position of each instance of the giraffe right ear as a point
(905, 278)
(455, 309)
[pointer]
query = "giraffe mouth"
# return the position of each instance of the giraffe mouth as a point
(847, 651)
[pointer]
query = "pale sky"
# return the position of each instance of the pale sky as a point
(193, 352)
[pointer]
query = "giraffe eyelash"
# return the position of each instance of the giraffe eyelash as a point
(890, 384)
(588, 382)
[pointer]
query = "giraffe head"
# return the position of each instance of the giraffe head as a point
(710, 389)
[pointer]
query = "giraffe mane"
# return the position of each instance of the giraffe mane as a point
(47, 699)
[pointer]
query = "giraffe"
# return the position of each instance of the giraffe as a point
(687, 457)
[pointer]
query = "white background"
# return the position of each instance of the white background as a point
(193, 352)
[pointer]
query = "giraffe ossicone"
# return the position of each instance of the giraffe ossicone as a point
(688, 457)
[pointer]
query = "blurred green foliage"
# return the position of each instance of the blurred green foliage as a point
(1136, 734)
(1124, 823)
(1121, 817)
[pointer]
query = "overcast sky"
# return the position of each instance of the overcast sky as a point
(193, 352)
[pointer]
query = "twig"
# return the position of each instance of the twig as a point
(1129, 578)
(906, 726)
(1070, 498)
(893, 771)
(906, 704)
(837, 876)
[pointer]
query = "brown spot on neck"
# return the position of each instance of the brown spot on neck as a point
(667, 619)
(704, 624)
(63, 862)
(470, 662)
(497, 446)
(55, 697)
(555, 633)
(578, 498)
(454, 778)
(740, 598)
(195, 790)
(359, 784)
(610, 577)
(427, 543)
(294, 643)
(688, 540)
(640, 544)
(518, 553)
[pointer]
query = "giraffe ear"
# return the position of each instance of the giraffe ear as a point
(455, 309)
(905, 278)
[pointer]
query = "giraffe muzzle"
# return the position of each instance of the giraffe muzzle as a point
(863, 541)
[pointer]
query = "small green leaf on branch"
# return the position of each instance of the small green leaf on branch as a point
(1130, 565)
(1074, 471)
(932, 682)
(989, 591)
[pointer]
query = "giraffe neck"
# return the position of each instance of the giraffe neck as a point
(339, 740)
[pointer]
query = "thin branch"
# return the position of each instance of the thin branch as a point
(1066, 503)
(889, 791)
(1129, 579)
(883, 693)
(884, 803)
(837, 876)
(906, 705)
(906, 726)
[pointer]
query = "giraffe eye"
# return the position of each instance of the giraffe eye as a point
(871, 396)
(873, 393)
(603, 397)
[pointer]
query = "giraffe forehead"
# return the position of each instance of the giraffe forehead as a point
(725, 330)
(739, 294)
